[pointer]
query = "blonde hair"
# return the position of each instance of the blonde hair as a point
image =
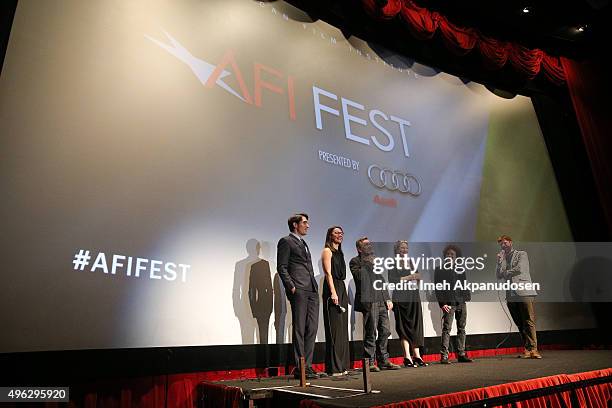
(398, 244)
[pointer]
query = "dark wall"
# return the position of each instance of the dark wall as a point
(70, 367)
(7, 12)
(571, 165)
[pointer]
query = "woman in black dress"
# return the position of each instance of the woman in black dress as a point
(407, 310)
(334, 300)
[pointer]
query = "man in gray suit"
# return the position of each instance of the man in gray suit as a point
(294, 266)
(513, 265)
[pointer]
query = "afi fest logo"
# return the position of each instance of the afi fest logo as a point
(388, 127)
(211, 75)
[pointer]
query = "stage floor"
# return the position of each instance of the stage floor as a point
(411, 383)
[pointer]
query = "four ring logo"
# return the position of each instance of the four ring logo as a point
(393, 180)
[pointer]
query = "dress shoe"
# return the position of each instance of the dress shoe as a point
(387, 365)
(464, 359)
(408, 363)
(296, 374)
(445, 360)
(535, 354)
(311, 373)
(419, 361)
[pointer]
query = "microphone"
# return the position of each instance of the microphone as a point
(342, 309)
(500, 255)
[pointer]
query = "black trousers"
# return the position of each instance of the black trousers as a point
(305, 315)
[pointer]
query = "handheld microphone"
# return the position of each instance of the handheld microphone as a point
(500, 255)
(342, 309)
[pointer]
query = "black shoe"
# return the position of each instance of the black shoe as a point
(420, 362)
(296, 373)
(312, 374)
(387, 365)
(408, 363)
(464, 359)
(445, 360)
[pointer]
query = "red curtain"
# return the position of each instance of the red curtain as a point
(390, 10)
(553, 69)
(184, 391)
(525, 60)
(219, 396)
(423, 24)
(494, 53)
(458, 40)
(548, 401)
(594, 396)
(147, 392)
(588, 86)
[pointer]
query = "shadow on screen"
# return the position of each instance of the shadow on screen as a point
(252, 295)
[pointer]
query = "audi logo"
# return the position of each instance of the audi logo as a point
(394, 180)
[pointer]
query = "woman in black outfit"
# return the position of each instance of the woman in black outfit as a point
(334, 298)
(407, 310)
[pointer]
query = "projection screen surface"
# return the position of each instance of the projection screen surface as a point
(153, 151)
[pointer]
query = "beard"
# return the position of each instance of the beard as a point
(368, 256)
(369, 259)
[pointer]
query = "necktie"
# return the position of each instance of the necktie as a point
(306, 246)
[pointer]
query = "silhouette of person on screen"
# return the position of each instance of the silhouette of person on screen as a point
(252, 295)
(260, 296)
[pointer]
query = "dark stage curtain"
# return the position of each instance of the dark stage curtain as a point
(423, 24)
(589, 85)
(183, 391)
(186, 391)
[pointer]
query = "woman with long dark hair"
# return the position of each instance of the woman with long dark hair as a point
(335, 304)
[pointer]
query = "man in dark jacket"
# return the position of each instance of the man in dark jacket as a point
(452, 302)
(294, 266)
(374, 304)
